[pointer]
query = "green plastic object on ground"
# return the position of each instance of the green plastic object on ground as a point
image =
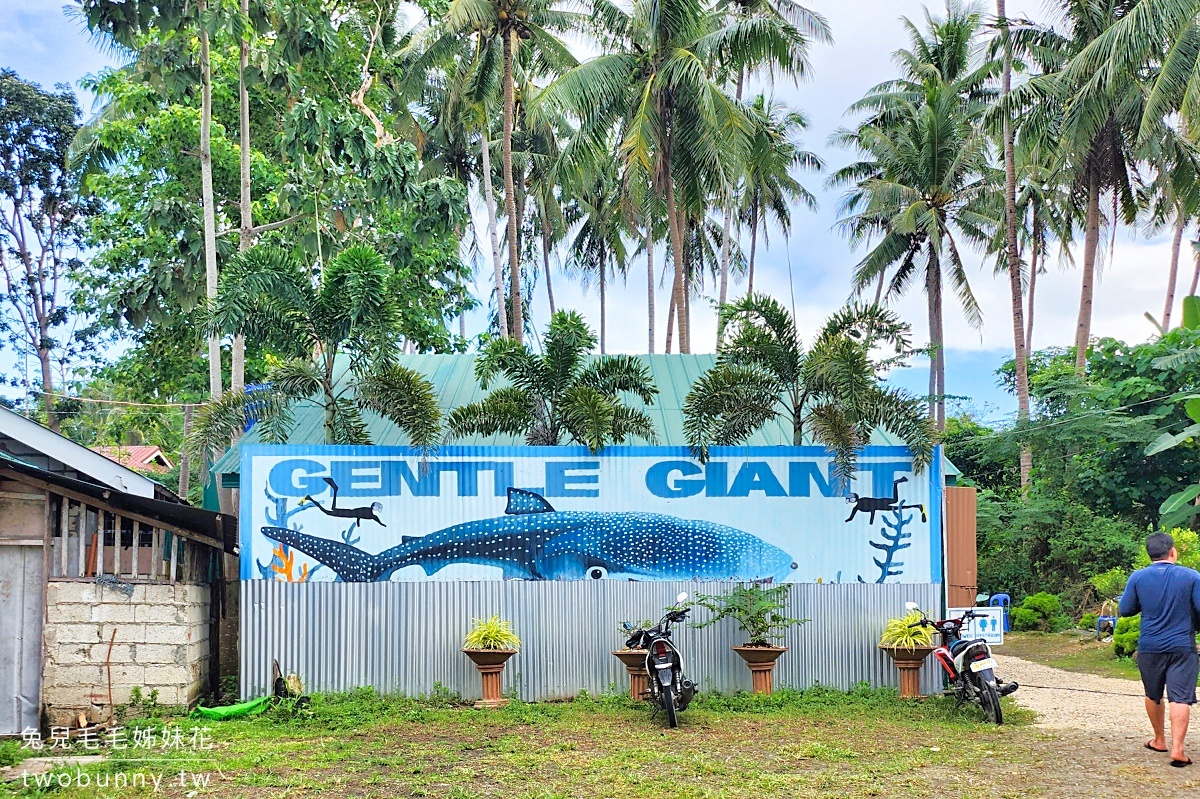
(241, 710)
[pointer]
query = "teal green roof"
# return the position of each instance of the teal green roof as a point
(453, 377)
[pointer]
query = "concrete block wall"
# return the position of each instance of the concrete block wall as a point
(161, 644)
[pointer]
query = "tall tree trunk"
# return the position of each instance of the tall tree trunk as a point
(603, 310)
(650, 285)
(670, 323)
(723, 290)
(43, 353)
(753, 245)
(1016, 294)
(1196, 274)
(489, 199)
(546, 259)
(510, 194)
(208, 211)
(937, 360)
(879, 288)
(1091, 244)
(237, 372)
(1035, 258)
(185, 461)
(679, 290)
(1176, 243)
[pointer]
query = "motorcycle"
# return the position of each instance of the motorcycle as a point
(968, 664)
(669, 690)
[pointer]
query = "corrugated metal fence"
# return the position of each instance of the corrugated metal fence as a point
(404, 637)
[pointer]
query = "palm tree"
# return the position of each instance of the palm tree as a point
(352, 308)
(597, 214)
(1096, 121)
(1174, 198)
(831, 391)
(769, 188)
(924, 178)
(512, 22)
(562, 394)
(660, 86)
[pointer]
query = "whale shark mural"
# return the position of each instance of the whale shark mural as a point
(533, 541)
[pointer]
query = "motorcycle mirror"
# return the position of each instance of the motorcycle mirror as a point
(626, 625)
(980, 598)
(679, 600)
(911, 606)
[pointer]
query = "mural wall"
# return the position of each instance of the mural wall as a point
(362, 514)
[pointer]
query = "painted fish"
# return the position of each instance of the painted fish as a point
(533, 541)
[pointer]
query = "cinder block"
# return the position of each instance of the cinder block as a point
(127, 632)
(153, 654)
(165, 675)
(69, 613)
(165, 634)
(168, 694)
(69, 654)
(157, 614)
(121, 653)
(124, 613)
(80, 675)
(75, 633)
(129, 674)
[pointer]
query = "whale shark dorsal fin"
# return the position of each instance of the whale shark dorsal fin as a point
(404, 539)
(521, 502)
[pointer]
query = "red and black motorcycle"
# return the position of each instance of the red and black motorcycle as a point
(968, 664)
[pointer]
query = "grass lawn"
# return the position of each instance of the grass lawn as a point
(819, 742)
(1071, 651)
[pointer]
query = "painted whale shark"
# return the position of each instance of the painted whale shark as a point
(533, 541)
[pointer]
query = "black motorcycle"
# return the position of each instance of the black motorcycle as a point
(669, 690)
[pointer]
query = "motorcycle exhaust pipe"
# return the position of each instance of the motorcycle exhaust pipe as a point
(1008, 688)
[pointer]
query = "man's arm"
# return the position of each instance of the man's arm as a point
(1130, 606)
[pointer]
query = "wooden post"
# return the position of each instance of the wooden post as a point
(101, 519)
(64, 525)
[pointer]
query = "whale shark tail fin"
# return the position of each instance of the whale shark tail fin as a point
(522, 501)
(349, 563)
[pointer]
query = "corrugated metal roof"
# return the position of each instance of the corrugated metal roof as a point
(453, 377)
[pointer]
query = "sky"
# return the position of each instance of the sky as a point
(811, 269)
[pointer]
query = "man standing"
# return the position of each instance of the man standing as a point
(1168, 597)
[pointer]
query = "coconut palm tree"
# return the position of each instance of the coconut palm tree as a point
(597, 214)
(1096, 122)
(924, 178)
(561, 395)
(831, 391)
(350, 308)
(515, 23)
(660, 86)
(769, 188)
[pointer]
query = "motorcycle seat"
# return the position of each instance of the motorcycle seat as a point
(962, 643)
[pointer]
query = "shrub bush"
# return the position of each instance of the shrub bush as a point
(1041, 611)
(1125, 639)
(1088, 622)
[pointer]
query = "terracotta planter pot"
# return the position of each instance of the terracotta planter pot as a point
(490, 663)
(635, 667)
(909, 661)
(761, 660)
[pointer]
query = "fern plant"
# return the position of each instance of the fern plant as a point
(757, 611)
(900, 634)
(493, 633)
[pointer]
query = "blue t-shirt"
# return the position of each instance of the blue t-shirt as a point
(1168, 597)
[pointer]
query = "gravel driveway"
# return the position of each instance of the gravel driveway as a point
(1110, 708)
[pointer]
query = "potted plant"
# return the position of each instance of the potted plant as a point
(489, 644)
(634, 658)
(758, 612)
(908, 646)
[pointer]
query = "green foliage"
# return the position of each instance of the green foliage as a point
(757, 611)
(1049, 542)
(491, 633)
(1187, 543)
(352, 308)
(900, 632)
(1041, 611)
(1088, 621)
(1111, 583)
(1125, 639)
(562, 394)
(831, 391)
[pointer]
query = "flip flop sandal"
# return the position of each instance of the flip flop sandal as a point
(1154, 748)
(1181, 763)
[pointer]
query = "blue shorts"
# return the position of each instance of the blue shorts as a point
(1172, 672)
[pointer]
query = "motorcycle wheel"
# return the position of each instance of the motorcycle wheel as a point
(989, 699)
(668, 703)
